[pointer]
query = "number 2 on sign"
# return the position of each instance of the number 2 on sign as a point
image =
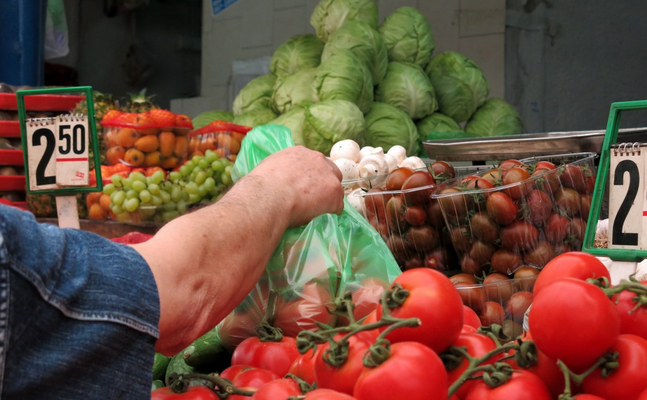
(626, 197)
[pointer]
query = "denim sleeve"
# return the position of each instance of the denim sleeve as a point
(78, 314)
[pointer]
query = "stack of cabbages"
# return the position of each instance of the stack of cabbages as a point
(378, 85)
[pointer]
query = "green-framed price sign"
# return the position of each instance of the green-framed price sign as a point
(621, 186)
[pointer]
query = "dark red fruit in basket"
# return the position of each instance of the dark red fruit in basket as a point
(395, 211)
(501, 208)
(573, 177)
(576, 235)
(469, 289)
(415, 215)
(379, 225)
(506, 261)
(396, 178)
(590, 183)
(517, 305)
(493, 175)
(539, 205)
(456, 205)
(375, 202)
(422, 238)
(481, 252)
(568, 201)
(435, 215)
(525, 278)
(556, 228)
(471, 266)
(418, 180)
(585, 206)
(461, 239)
(442, 170)
(561, 248)
(519, 236)
(518, 177)
(478, 183)
(492, 313)
(497, 287)
(545, 164)
(438, 259)
(540, 255)
(400, 249)
(483, 227)
(510, 163)
(414, 262)
(548, 179)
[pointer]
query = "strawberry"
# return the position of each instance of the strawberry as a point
(162, 118)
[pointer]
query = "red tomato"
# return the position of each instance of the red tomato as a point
(545, 164)
(522, 386)
(304, 366)
(629, 380)
(435, 301)
(298, 315)
(342, 378)
(501, 208)
(539, 206)
(579, 308)
(372, 317)
(396, 178)
(251, 380)
(471, 293)
(375, 202)
(230, 373)
(327, 394)
(568, 201)
(519, 236)
(588, 397)
(518, 178)
(643, 395)
(274, 356)
(493, 313)
(574, 264)
(573, 177)
(548, 180)
(415, 215)
(424, 371)
(442, 170)
(556, 228)
(483, 227)
(423, 182)
(470, 317)
(546, 369)
(192, 393)
(477, 345)
(510, 163)
(631, 322)
(505, 261)
(455, 204)
(277, 389)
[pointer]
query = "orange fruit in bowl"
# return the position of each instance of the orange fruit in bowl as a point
(147, 143)
(114, 155)
(126, 137)
(134, 157)
(167, 143)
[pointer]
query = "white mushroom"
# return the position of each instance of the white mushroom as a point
(413, 162)
(349, 168)
(391, 161)
(356, 199)
(373, 165)
(365, 151)
(348, 149)
(399, 152)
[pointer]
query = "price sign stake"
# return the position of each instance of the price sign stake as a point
(56, 153)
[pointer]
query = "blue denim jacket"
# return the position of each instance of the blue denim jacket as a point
(78, 314)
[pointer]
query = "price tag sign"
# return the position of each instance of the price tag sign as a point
(627, 197)
(622, 185)
(56, 152)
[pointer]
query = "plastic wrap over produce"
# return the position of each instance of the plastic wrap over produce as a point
(312, 265)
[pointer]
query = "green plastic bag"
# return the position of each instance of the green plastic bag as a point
(312, 265)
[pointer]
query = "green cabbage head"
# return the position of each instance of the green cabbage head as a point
(293, 90)
(255, 117)
(407, 87)
(387, 126)
(460, 85)
(293, 120)
(365, 42)
(408, 36)
(208, 117)
(437, 125)
(329, 15)
(301, 51)
(342, 76)
(331, 121)
(495, 118)
(255, 95)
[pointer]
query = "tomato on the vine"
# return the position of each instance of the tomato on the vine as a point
(632, 320)
(522, 386)
(277, 389)
(412, 371)
(327, 394)
(476, 345)
(573, 321)
(434, 300)
(470, 317)
(574, 264)
(501, 208)
(252, 379)
(304, 366)
(629, 379)
(192, 393)
(396, 178)
(293, 316)
(342, 378)
(273, 356)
